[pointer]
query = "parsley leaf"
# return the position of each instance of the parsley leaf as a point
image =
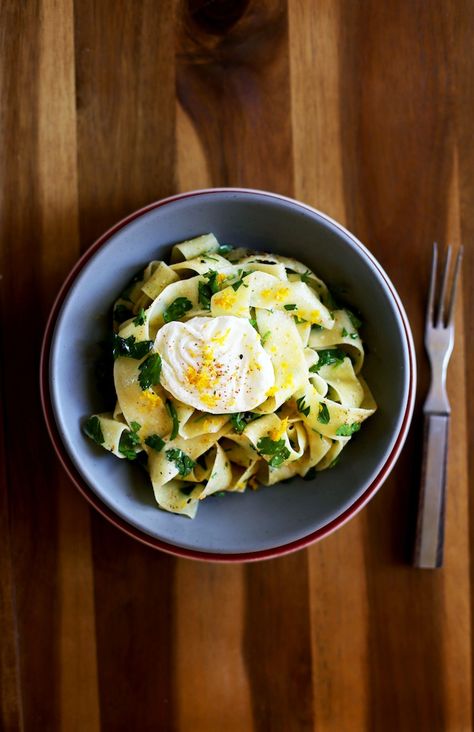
(150, 371)
(344, 333)
(354, 319)
(240, 281)
(122, 313)
(130, 347)
(141, 317)
(239, 420)
(346, 430)
(290, 306)
(298, 321)
(155, 442)
(93, 430)
(253, 321)
(302, 406)
(354, 335)
(172, 412)
(225, 248)
(207, 289)
(327, 357)
(276, 448)
(177, 309)
(265, 336)
(182, 461)
(316, 326)
(324, 417)
(129, 440)
(306, 277)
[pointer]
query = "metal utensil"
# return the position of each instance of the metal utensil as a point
(439, 341)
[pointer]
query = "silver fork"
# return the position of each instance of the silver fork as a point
(439, 341)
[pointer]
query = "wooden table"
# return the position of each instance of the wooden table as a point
(363, 109)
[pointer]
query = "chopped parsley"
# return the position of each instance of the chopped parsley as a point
(298, 321)
(276, 448)
(311, 474)
(327, 357)
(129, 440)
(150, 371)
(354, 319)
(130, 347)
(155, 442)
(253, 322)
(290, 306)
(182, 461)
(346, 430)
(225, 249)
(240, 281)
(354, 335)
(93, 430)
(306, 277)
(172, 412)
(344, 333)
(265, 336)
(316, 326)
(324, 417)
(240, 420)
(177, 309)
(208, 256)
(141, 317)
(207, 289)
(122, 313)
(302, 406)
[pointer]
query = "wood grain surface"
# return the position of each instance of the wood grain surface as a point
(363, 109)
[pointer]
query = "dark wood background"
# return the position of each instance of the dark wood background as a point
(363, 109)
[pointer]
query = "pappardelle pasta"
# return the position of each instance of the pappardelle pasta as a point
(232, 369)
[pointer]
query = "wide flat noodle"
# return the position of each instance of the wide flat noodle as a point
(318, 400)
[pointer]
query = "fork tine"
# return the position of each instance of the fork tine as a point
(452, 299)
(444, 281)
(434, 266)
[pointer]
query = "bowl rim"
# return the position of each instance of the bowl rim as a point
(167, 547)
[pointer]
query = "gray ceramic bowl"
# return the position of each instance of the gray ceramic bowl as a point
(272, 520)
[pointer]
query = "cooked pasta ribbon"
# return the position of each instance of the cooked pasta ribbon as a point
(272, 390)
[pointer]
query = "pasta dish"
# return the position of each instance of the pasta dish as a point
(232, 369)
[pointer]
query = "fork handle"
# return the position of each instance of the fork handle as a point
(430, 522)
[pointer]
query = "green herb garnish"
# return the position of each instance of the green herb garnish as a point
(207, 289)
(141, 317)
(298, 321)
(276, 448)
(172, 412)
(130, 347)
(122, 313)
(150, 371)
(302, 406)
(290, 306)
(327, 357)
(177, 309)
(129, 440)
(316, 326)
(155, 442)
(240, 281)
(344, 333)
(93, 430)
(324, 417)
(253, 322)
(306, 277)
(346, 430)
(265, 337)
(354, 319)
(225, 248)
(208, 256)
(182, 461)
